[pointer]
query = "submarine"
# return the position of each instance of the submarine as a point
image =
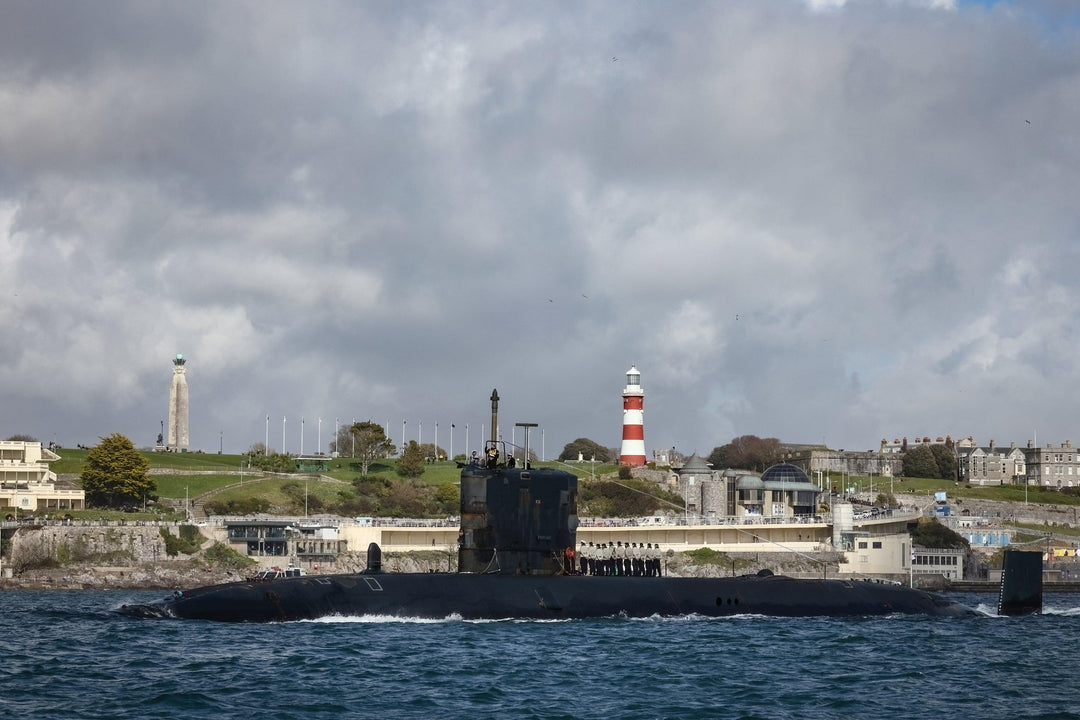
(516, 523)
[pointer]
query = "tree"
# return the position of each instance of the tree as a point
(22, 437)
(946, 461)
(411, 462)
(929, 533)
(625, 498)
(116, 475)
(364, 440)
(449, 497)
(433, 453)
(919, 462)
(274, 462)
(746, 452)
(586, 449)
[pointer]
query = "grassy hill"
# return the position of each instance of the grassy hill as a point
(228, 479)
(191, 475)
(929, 486)
(72, 461)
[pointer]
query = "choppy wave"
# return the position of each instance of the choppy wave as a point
(68, 655)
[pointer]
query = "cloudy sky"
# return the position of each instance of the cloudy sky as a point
(809, 219)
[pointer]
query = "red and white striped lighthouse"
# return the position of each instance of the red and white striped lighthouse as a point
(633, 422)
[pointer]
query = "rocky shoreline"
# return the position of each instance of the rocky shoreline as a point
(189, 573)
(136, 558)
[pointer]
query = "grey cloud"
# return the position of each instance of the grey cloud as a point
(384, 211)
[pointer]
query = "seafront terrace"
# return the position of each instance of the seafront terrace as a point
(724, 534)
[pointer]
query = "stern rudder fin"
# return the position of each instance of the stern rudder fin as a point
(1021, 583)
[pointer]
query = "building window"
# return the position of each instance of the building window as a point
(877, 545)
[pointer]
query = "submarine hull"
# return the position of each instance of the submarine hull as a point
(497, 596)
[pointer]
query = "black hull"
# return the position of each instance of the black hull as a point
(539, 597)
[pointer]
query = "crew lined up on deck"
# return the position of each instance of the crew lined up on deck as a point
(617, 559)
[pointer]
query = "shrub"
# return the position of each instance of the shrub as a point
(242, 506)
(223, 556)
(705, 556)
(187, 542)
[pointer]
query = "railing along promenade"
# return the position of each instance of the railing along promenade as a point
(656, 522)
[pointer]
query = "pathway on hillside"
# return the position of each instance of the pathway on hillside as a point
(198, 503)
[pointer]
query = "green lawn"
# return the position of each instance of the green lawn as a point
(443, 472)
(347, 469)
(173, 486)
(72, 461)
(437, 473)
(270, 488)
(929, 486)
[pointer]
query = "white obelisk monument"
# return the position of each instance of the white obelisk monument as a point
(178, 407)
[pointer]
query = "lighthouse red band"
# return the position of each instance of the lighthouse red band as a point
(633, 429)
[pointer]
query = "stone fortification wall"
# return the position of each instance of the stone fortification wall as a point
(103, 544)
(999, 510)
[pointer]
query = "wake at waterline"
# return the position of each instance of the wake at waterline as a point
(666, 619)
(1065, 612)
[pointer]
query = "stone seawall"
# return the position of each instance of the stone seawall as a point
(135, 557)
(102, 544)
(101, 556)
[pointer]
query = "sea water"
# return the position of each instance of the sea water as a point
(67, 654)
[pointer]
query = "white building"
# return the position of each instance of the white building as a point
(28, 485)
(894, 555)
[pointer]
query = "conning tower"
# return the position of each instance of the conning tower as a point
(515, 520)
